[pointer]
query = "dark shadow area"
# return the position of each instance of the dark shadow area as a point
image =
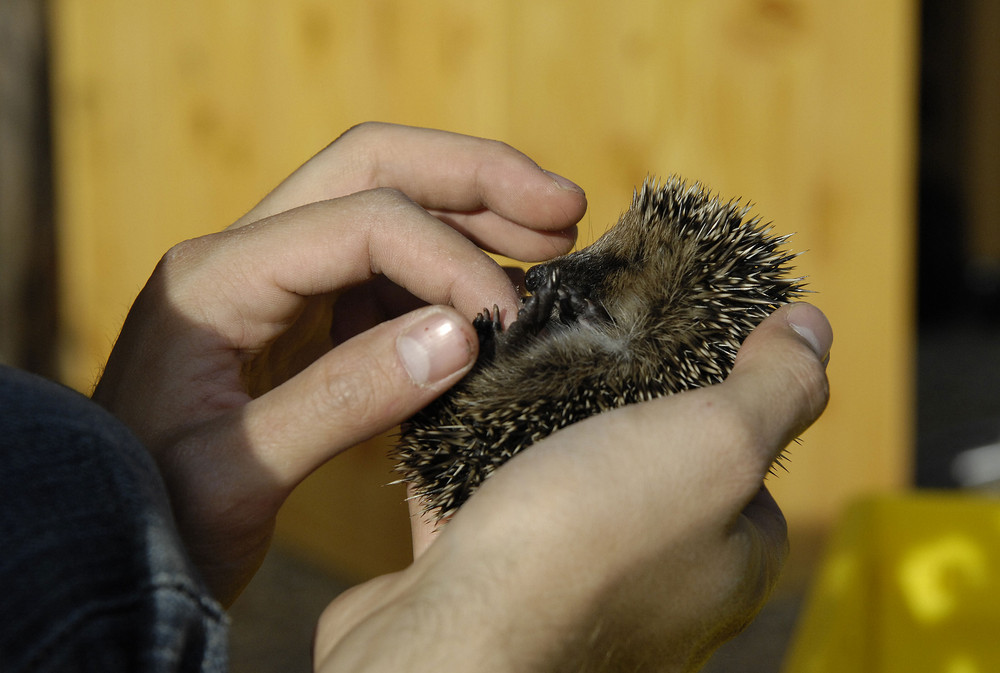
(28, 265)
(274, 619)
(958, 364)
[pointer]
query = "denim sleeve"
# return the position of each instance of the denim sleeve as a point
(93, 576)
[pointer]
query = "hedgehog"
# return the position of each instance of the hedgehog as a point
(658, 305)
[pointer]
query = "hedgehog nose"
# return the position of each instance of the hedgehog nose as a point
(535, 277)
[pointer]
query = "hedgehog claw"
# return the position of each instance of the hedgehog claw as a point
(537, 309)
(488, 328)
(554, 300)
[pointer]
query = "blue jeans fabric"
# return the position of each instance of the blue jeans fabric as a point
(93, 576)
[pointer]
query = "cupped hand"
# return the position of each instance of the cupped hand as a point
(636, 540)
(224, 367)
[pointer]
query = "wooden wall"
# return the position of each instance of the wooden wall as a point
(173, 118)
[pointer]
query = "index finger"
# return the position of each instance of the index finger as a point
(253, 281)
(495, 195)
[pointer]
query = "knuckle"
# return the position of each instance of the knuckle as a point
(183, 255)
(357, 135)
(193, 265)
(390, 210)
(355, 395)
(499, 151)
(811, 386)
(203, 280)
(363, 131)
(179, 267)
(387, 197)
(378, 203)
(348, 394)
(360, 146)
(499, 147)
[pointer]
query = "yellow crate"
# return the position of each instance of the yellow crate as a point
(910, 583)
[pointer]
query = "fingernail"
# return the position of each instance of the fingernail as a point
(433, 349)
(810, 324)
(563, 183)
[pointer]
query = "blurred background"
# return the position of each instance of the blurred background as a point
(870, 129)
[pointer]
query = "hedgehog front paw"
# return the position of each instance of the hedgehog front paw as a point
(538, 308)
(575, 307)
(488, 329)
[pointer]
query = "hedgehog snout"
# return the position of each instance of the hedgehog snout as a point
(535, 277)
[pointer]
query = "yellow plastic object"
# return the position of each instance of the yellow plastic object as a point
(910, 583)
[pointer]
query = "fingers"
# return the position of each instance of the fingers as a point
(779, 382)
(361, 307)
(258, 275)
(489, 191)
(366, 386)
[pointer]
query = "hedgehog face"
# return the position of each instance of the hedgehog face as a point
(588, 288)
(589, 272)
(659, 304)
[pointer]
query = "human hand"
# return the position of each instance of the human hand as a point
(224, 367)
(636, 540)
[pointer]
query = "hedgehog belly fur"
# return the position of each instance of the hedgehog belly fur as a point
(659, 304)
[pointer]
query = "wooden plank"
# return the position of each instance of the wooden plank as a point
(174, 118)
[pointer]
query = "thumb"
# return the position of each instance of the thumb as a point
(365, 386)
(779, 378)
